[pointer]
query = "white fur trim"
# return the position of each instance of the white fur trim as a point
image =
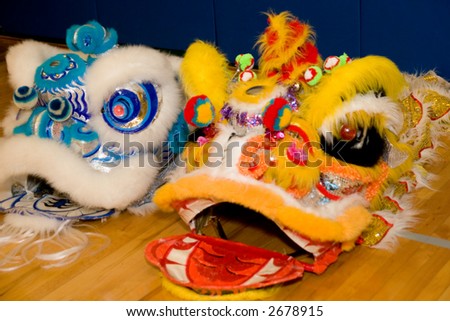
(12, 119)
(23, 59)
(370, 104)
(68, 173)
(121, 66)
(175, 61)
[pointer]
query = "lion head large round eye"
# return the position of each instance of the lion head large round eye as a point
(358, 146)
(132, 108)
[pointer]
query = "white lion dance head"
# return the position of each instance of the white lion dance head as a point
(85, 138)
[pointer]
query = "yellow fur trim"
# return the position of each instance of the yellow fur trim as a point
(204, 70)
(346, 227)
(290, 176)
(371, 73)
(188, 294)
(253, 91)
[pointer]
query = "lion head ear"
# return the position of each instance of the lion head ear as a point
(206, 71)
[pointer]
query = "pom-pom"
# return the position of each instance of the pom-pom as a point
(277, 114)
(91, 38)
(330, 63)
(334, 61)
(60, 109)
(245, 61)
(25, 97)
(247, 75)
(313, 75)
(199, 111)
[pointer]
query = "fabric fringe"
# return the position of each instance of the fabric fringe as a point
(56, 247)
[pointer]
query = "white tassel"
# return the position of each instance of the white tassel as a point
(53, 243)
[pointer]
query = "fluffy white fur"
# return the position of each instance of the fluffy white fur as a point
(13, 118)
(371, 105)
(134, 64)
(23, 59)
(68, 173)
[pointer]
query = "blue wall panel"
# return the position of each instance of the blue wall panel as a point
(169, 24)
(47, 19)
(337, 23)
(415, 33)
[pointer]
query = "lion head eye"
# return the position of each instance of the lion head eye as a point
(358, 146)
(132, 108)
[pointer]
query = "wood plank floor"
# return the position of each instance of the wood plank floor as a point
(415, 271)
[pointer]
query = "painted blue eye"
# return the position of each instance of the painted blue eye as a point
(132, 108)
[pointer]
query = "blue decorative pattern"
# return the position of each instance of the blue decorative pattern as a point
(35, 197)
(71, 133)
(59, 72)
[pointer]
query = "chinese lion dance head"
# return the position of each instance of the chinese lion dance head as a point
(326, 150)
(85, 138)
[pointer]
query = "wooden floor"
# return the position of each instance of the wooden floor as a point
(415, 271)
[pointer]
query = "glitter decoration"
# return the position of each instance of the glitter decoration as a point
(413, 113)
(440, 105)
(375, 232)
(292, 98)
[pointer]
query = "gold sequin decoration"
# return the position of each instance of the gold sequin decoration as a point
(375, 232)
(440, 105)
(389, 204)
(409, 181)
(412, 112)
(430, 77)
(426, 142)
